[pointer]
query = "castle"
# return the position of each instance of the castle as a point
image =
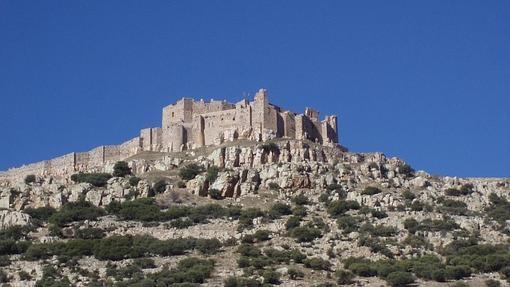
(190, 124)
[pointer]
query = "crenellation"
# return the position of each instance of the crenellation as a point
(189, 124)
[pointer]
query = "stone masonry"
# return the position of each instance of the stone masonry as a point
(190, 124)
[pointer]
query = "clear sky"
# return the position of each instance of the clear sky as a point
(427, 81)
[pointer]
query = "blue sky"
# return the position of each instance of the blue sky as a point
(427, 81)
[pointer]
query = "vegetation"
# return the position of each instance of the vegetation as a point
(119, 247)
(340, 207)
(121, 169)
(190, 171)
(76, 211)
(270, 147)
(96, 179)
(371, 190)
(29, 179)
(499, 209)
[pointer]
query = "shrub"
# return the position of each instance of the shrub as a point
(181, 223)
(208, 246)
(241, 282)
(378, 230)
(24, 276)
(270, 147)
(339, 207)
(90, 233)
(273, 186)
(300, 199)
(317, 263)
(399, 278)
(499, 210)
(492, 283)
(454, 207)
(408, 195)
(348, 223)
(305, 234)
(292, 222)
(96, 179)
(406, 170)
(215, 194)
(363, 269)
(29, 179)
(133, 181)
(295, 273)
(159, 187)
(76, 211)
(271, 277)
(299, 211)
(279, 209)
(371, 190)
(190, 171)
(121, 169)
(40, 213)
(9, 247)
(344, 277)
(212, 174)
(262, 235)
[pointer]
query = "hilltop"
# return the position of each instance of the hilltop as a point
(244, 213)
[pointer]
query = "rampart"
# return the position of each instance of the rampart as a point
(189, 124)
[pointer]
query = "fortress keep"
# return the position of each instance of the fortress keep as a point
(190, 124)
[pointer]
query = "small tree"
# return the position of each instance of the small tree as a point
(159, 186)
(399, 278)
(190, 171)
(121, 169)
(215, 194)
(29, 179)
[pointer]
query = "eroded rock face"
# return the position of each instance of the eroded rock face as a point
(10, 218)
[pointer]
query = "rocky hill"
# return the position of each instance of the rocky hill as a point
(285, 212)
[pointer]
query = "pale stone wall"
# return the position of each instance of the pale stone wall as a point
(189, 124)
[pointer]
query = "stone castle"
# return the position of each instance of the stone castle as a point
(190, 124)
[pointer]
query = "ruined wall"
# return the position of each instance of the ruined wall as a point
(190, 124)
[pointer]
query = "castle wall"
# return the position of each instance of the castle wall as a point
(190, 124)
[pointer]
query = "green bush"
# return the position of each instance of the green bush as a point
(9, 247)
(453, 207)
(262, 235)
(121, 169)
(29, 179)
(371, 190)
(340, 207)
(96, 179)
(241, 282)
(273, 186)
(271, 277)
(76, 211)
(299, 211)
(90, 233)
(300, 199)
(212, 173)
(499, 209)
(408, 195)
(317, 263)
(378, 230)
(344, 277)
(279, 209)
(159, 187)
(270, 147)
(40, 213)
(306, 234)
(348, 223)
(492, 283)
(190, 171)
(399, 278)
(293, 222)
(215, 194)
(406, 170)
(133, 181)
(295, 274)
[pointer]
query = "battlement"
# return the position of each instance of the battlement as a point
(189, 124)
